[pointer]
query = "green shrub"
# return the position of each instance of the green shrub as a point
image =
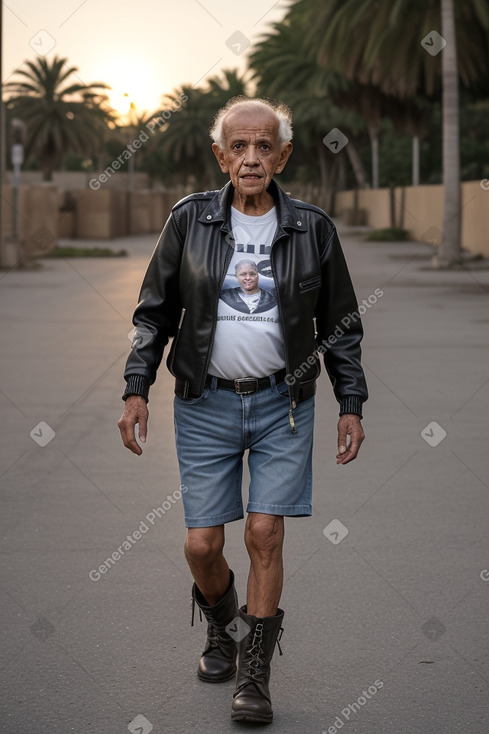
(86, 252)
(389, 234)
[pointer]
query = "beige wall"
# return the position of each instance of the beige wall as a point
(98, 213)
(376, 203)
(104, 214)
(419, 209)
(475, 218)
(38, 217)
(46, 213)
(80, 179)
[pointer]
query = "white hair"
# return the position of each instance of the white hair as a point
(280, 110)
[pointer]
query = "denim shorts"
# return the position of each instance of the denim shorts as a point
(212, 434)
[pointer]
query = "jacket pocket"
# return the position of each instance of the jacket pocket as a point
(310, 284)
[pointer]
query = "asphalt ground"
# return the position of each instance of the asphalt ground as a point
(386, 593)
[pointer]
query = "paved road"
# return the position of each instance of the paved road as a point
(386, 628)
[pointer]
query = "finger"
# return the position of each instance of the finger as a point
(128, 437)
(143, 427)
(356, 439)
(342, 439)
(133, 445)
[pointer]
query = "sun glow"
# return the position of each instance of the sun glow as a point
(132, 82)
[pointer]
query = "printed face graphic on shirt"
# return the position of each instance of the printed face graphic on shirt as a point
(248, 297)
(247, 275)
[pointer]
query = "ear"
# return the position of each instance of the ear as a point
(221, 158)
(284, 156)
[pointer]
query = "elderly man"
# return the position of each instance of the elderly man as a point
(246, 382)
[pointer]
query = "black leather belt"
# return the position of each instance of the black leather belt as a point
(246, 385)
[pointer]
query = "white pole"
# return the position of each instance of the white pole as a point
(415, 160)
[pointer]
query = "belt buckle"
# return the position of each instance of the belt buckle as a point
(240, 380)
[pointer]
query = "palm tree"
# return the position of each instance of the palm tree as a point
(224, 86)
(382, 43)
(185, 144)
(450, 249)
(284, 67)
(60, 115)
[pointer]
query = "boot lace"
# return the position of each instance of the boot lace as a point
(215, 636)
(254, 661)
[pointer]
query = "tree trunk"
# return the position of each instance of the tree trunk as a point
(325, 179)
(341, 177)
(415, 160)
(47, 167)
(373, 130)
(450, 249)
(357, 166)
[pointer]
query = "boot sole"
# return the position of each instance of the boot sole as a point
(214, 679)
(243, 716)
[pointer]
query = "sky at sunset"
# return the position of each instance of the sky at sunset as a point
(141, 49)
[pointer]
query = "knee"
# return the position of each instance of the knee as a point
(264, 536)
(203, 547)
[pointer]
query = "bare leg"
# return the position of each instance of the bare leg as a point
(203, 551)
(264, 536)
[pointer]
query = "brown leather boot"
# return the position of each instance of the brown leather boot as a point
(218, 661)
(251, 701)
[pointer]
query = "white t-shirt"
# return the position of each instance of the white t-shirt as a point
(248, 340)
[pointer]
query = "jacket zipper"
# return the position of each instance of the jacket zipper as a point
(181, 318)
(227, 260)
(293, 404)
(176, 337)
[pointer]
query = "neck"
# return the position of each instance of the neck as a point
(255, 205)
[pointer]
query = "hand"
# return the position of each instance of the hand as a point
(135, 412)
(349, 425)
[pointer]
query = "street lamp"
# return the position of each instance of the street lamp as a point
(17, 157)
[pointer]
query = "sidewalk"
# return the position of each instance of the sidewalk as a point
(386, 612)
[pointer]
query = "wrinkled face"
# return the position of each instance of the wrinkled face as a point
(252, 152)
(247, 278)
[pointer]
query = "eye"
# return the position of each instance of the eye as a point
(237, 146)
(265, 146)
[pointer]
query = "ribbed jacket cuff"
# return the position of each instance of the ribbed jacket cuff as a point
(351, 404)
(137, 385)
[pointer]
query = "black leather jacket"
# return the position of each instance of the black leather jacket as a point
(180, 293)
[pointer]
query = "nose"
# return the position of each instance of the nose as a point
(251, 157)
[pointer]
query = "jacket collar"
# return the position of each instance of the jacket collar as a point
(219, 209)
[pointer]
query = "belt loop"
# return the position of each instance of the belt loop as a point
(214, 383)
(273, 380)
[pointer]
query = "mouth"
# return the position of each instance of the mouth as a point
(251, 177)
